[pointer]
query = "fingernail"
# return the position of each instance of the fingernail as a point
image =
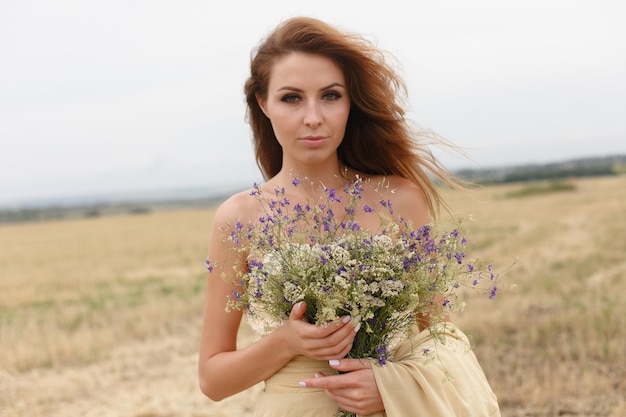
(302, 384)
(357, 327)
(334, 362)
(316, 375)
(346, 319)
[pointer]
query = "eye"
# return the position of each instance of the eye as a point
(331, 96)
(290, 98)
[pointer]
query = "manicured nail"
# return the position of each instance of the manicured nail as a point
(316, 375)
(302, 384)
(358, 326)
(334, 362)
(346, 319)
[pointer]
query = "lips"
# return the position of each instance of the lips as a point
(313, 140)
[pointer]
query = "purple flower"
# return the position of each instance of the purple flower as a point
(355, 189)
(253, 263)
(258, 293)
(234, 238)
(249, 235)
(208, 265)
(296, 181)
(492, 293)
(332, 195)
(407, 263)
(429, 246)
(459, 257)
(382, 355)
(368, 209)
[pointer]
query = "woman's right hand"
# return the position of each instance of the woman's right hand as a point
(332, 341)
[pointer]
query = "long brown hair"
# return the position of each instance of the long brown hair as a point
(378, 139)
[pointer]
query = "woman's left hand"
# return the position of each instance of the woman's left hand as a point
(355, 391)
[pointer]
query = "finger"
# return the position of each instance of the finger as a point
(334, 327)
(322, 381)
(349, 365)
(335, 383)
(325, 349)
(297, 312)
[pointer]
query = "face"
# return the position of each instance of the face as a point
(308, 105)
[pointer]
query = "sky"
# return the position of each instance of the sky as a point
(129, 96)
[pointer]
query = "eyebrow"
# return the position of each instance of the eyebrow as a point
(299, 90)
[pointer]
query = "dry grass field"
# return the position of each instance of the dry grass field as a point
(101, 317)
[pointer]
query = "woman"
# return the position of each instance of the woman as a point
(324, 105)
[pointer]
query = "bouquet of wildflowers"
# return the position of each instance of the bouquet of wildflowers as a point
(319, 254)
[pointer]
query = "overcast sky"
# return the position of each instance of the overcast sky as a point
(122, 95)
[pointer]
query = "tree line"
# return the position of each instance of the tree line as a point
(585, 167)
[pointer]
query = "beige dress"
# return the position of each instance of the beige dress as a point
(428, 379)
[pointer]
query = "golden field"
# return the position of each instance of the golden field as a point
(101, 317)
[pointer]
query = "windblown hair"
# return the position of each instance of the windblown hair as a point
(378, 139)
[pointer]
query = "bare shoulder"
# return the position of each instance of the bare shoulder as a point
(406, 197)
(240, 207)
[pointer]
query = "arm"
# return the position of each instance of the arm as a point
(224, 370)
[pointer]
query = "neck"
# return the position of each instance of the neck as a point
(334, 176)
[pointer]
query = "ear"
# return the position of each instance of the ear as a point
(261, 104)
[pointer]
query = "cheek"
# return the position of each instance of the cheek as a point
(283, 124)
(341, 116)
(282, 121)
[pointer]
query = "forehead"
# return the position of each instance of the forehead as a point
(299, 69)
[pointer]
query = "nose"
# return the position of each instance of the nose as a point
(313, 115)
